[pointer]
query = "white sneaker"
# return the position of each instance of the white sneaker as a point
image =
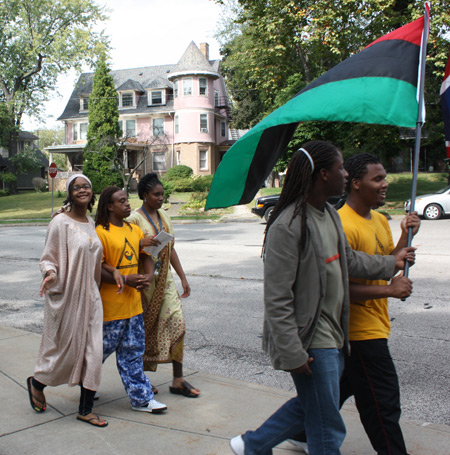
(153, 406)
(301, 445)
(237, 445)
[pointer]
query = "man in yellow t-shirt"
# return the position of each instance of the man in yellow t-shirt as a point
(123, 326)
(370, 373)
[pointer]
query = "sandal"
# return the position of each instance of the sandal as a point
(154, 390)
(34, 399)
(91, 421)
(186, 390)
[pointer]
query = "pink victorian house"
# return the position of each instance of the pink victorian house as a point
(177, 114)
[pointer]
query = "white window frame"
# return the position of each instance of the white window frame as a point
(84, 103)
(216, 98)
(133, 100)
(204, 120)
(163, 97)
(83, 132)
(203, 157)
(200, 87)
(187, 86)
(157, 163)
(178, 157)
(125, 127)
(177, 124)
(160, 131)
(77, 133)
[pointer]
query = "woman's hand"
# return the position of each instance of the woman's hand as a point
(118, 278)
(149, 241)
(186, 289)
(47, 283)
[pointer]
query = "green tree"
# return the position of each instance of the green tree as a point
(52, 136)
(40, 40)
(103, 130)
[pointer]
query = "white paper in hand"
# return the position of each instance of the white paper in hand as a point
(164, 238)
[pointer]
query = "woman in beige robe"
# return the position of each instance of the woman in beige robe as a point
(71, 346)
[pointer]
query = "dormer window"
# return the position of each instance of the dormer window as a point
(126, 99)
(157, 97)
(84, 104)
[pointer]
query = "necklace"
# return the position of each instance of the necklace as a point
(158, 262)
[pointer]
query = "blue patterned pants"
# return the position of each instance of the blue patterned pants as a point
(126, 337)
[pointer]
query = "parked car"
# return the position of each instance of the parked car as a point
(432, 206)
(265, 204)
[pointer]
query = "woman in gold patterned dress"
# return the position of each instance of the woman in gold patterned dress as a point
(163, 314)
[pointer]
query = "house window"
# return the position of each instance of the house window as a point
(223, 129)
(203, 86)
(158, 126)
(130, 128)
(127, 99)
(203, 165)
(83, 131)
(157, 97)
(216, 98)
(203, 123)
(175, 88)
(187, 86)
(177, 124)
(178, 157)
(84, 104)
(159, 161)
(75, 131)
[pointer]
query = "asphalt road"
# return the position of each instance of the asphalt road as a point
(224, 313)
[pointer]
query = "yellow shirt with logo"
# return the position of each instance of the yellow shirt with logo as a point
(121, 250)
(369, 319)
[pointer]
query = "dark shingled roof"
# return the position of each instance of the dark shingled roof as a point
(131, 85)
(159, 76)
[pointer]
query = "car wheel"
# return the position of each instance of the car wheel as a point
(432, 212)
(267, 213)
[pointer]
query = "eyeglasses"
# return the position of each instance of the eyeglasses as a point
(86, 186)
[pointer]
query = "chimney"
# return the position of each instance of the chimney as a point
(204, 48)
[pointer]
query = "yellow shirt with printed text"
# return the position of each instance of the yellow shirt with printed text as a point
(369, 319)
(121, 250)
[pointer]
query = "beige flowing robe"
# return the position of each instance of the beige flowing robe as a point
(72, 340)
(163, 313)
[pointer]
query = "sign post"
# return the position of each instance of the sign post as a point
(52, 171)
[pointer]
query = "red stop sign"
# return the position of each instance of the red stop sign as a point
(52, 170)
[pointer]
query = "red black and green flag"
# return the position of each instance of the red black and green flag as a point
(376, 85)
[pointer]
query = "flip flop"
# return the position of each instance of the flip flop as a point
(34, 406)
(90, 421)
(186, 390)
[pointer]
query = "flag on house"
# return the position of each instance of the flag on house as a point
(376, 85)
(445, 103)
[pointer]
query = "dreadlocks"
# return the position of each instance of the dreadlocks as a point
(147, 183)
(102, 216)
(299, 178)
(69, 199)
(356, 166)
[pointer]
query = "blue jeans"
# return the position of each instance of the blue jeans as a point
(126, 337)
(315, 410)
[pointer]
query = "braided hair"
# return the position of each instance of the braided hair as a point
(147, 183)
(69, 199)
(102, 216)
(356, 166)
(299, 179)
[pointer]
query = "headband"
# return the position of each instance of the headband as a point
(309, 158)
(73, 177)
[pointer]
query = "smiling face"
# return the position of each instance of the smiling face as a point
(155, 197)
(372, 187)
(81, 191)
(120, 206)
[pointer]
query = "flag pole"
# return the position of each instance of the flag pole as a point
(420, 122)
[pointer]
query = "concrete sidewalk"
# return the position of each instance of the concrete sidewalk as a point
(226, 408)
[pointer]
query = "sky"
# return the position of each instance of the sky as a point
(143, 33)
